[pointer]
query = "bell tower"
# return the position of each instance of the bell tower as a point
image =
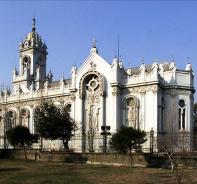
(32, 62)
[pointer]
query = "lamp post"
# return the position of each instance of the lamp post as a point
(105, 132)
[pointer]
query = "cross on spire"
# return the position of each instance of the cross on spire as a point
(94, 43)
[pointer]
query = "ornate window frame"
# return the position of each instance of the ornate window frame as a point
(136, 109)
(82, 87)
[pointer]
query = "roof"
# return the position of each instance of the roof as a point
(57, 83)
(136, 70)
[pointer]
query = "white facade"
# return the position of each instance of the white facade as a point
(157, 96)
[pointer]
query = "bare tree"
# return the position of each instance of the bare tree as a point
(175, 146)
(92, 130)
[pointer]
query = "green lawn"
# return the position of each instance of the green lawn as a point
(20, 172)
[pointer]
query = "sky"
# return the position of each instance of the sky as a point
(162, 30)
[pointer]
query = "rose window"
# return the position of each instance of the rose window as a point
(92, 85)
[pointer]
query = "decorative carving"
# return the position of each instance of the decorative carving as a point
(142, 92)
(92, 65)
(115, 91)
(144, 89)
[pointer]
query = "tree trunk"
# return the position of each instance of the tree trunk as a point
(25, 153)
(130, 154)
(171, 162)
(65, 143)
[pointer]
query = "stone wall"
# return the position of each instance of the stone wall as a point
(137, 159)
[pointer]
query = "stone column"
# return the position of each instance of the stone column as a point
(115, 93)
(31, 119)
(143, 110)
(155, 107)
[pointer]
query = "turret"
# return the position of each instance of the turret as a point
(32, 61)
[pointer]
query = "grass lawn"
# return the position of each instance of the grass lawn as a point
(20, 172)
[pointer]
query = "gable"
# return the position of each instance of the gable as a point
(94, 62)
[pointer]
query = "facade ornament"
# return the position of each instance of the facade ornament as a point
(46, 84)
(92, 65)
(31, 87)
(188, 67)
(115, 91)
(142, 92)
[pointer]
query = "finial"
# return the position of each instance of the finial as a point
(94, 43)
(143, 60)
(188, 60)
(115, 55)
(172, 56)
(33, 24)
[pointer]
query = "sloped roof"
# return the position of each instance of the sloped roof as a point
(135, 70)
(56, 83)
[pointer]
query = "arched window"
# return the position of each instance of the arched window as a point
(11, 119)
(182, 113)
(68, 108)
(132, 114)
(25, 64)
(24, 117)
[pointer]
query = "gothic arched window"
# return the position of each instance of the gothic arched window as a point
(11, 120)
(24, 117)
(182, 113)
(131, 109)
(26, 63)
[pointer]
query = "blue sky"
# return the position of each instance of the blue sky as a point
(153, 30)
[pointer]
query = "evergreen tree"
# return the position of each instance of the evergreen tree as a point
(20, 136)
(52, 122)
(128, 138)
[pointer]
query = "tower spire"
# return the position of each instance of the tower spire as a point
(33, 24)
(118, 50)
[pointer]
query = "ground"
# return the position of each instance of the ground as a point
(18, 172)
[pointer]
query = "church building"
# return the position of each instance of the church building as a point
(99, 94)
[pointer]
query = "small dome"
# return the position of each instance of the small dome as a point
(33, 35)
(33, 40)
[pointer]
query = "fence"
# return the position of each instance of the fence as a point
(156, 142)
